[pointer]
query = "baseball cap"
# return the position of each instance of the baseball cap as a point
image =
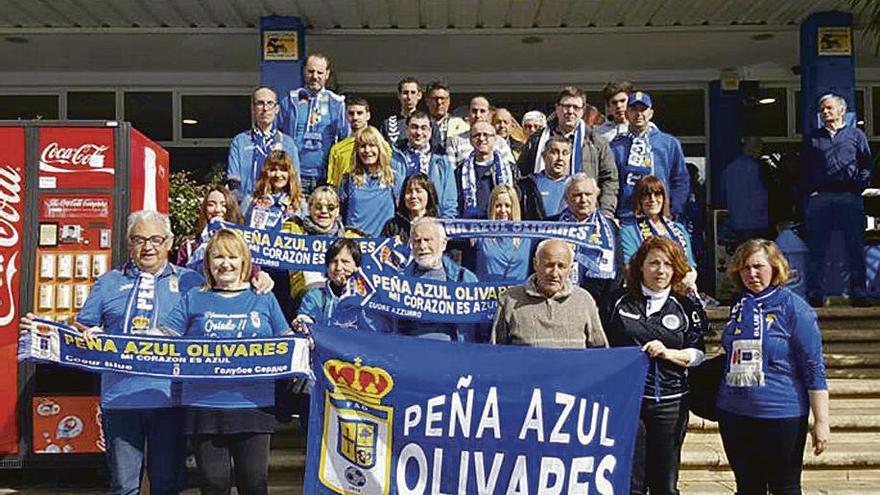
(639, 97)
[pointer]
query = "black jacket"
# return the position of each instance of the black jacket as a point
(680, 324)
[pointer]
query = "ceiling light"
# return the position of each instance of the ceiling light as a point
(18, 40)
(767, 101)
(532, 40)
(763, 37)
(190, 121)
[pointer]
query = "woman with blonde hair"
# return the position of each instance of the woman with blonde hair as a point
(368, 195)
(774, 375)
(229, 423)
(656, 315)
(503, 258)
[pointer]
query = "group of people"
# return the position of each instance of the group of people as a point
(313, 165)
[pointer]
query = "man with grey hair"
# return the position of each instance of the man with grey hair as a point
(837, 164)
(427, 240)
(603, 275)
(141, 415)
(533, 121)
(549, 311)
(460, 147)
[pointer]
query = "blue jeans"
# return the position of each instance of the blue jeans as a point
(159, 432)
(827, 211)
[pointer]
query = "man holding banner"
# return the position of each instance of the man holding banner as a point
(139, 413)
(548, 311)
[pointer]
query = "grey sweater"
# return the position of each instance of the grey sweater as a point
(568, 319)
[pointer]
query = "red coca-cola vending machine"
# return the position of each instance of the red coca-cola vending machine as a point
(66, 189)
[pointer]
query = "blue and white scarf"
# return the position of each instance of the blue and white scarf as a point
(601, 238)
(749, 322)
(264, 144)
(577, 149)
(417, 160)
(501, 174)
(646, 229)
(142, 308)
(269, 212)
(641, 155)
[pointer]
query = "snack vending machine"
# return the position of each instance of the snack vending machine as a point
(66, 189)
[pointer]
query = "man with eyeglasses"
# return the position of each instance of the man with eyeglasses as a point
(249, 149)
(314, 117)
(483, 169)
(141, 415)
(460, 147)
(646, 150)
(444, 124)
(357, 111)
(590, 154)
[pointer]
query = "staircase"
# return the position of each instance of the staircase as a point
(851, 465)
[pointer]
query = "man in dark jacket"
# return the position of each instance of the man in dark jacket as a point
(590, 154)
(837, 163)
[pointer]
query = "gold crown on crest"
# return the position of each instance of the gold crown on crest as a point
(367, 383)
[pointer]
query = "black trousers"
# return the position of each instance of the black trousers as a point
(657, 454)
(764, 453)
(215, 455)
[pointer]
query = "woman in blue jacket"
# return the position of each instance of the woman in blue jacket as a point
(503, 258)
(369, 193)
(773, 378)
(229, 422)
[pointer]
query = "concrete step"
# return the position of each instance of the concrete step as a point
(847, 450)
(842, 387)
(829, 335)
(833, 317)
(853, 373)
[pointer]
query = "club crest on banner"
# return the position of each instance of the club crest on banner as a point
(356, 452)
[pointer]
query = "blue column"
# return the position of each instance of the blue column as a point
(282, 53)
(725, 135)
(827, 64)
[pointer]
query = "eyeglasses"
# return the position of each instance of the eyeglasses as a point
(325, 207)
(268, 105)
(482, 135)
(155, 240)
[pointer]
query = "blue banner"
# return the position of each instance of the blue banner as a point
(398, 415)
(165, 357)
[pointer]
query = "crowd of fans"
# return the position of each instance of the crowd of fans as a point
(313, 164)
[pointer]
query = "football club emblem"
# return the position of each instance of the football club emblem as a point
(356, 449)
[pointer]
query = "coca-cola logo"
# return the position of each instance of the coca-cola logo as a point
(10, 233)
(86, 155)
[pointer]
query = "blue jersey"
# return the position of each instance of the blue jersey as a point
(406, 161)
(500, 259)
(106, 307)
(552, 193)
(228, 315)
(315, 122)
(370, 206)
(246, 159)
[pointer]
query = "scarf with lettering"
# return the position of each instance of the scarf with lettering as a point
(264, 144)
(746, 358)
(270, 211)
(501, 174)
(417, 160)
(646, 229)
(641, 155)
(601, 238)
(142, 308)
(577, 149)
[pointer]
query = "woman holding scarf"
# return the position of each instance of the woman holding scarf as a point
(369, 193)
(656, 315)
(229, 422)
(419, 199)
(219, 204)
(652, 219)
(503, 258)
(774, 375)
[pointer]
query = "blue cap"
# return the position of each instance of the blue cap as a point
(639, 97)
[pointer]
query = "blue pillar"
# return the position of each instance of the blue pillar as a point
(725, 134)
(827, 64)
(282, 53)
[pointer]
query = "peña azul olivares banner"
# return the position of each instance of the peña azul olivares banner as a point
(166, 357)
(401, 415)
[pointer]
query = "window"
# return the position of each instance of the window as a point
(767, 119)
(14, 107)
(203, 163)
(680, 112)
(150, 113)
(91, 105)
(215, 116)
